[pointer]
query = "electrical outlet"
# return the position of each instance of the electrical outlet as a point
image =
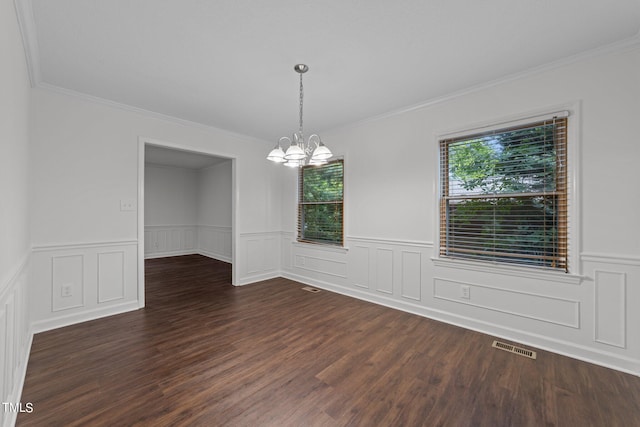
(127, 205)
(465, 292)
(66, 290)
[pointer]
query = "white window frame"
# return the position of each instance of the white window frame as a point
(573, 196)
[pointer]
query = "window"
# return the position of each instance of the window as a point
(504, 195)
(320, 203)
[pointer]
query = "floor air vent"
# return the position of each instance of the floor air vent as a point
(310, 289)
(514, 349)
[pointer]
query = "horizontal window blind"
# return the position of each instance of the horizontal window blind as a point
(504, 195)
(320, 203)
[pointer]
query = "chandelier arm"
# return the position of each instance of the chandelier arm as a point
(301, 152)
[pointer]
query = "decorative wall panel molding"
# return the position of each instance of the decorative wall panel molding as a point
(411, 275)
(384, 270)
(77, 282)
(15, 337)
(610, 258)
(610, 308)
(174, 240)
(169, 240)
(67, 282)
(215, 242)
(110, 276)
(360, 256)
(540, 307)
(261, 253)
(576, 315)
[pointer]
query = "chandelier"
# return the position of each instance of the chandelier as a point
(300, 152)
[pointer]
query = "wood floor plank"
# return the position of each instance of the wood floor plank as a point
(206, 353)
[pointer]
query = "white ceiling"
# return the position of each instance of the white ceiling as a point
(229, 63)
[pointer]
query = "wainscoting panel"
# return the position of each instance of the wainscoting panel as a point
(523, 304)
(586, 314)
(110, 276)
(610, 308)
(15, 337)
(411, 275)
(255, 255)
(78, 282)
(5, 367)
(384, 270)
(361, 266)
(67, 282)
(169, 240)
(215, 242)
(261, 255)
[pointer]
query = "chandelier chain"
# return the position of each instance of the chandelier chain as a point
(301, 98)
(300, 152)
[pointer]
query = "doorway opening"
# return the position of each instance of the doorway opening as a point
(186, 204)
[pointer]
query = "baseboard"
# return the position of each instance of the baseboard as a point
(85, 316)
(219, 257)
(575, 351)
(250, 279)
(208, 254)
(169, 254)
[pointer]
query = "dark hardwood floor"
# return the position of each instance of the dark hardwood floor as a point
(270, 354)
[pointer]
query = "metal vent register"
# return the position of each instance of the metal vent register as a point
(514, 349)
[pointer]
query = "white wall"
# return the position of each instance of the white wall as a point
(214, 195)
(392, 229)
(15, 337)
(84, 161)
(188, 211)
(170, 195)
(214, 211)
(170, 210)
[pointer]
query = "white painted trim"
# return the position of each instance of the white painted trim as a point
(418, 243)
(321, 247)
(508, 270)
(168, 254)
(82, 245)
(140, 224)
(214, 256)
(562, 347)
(574, 159)
(27, 25)
(9, 279)
(517, 120)
(175, 226)
(214, 227)
(576, 304)
(254, 278)
(629, 44)
(16, 394)
(610, 258)
(142, 142)
(623, 309)
(259, 234)
(85, 316)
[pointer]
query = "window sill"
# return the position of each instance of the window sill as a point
(509, 270)
(321, 246)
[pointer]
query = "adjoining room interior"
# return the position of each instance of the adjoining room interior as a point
(400, 186)
(188, 204)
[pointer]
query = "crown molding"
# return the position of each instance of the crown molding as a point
(27, 25)
(148, 113)
(629, 44)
